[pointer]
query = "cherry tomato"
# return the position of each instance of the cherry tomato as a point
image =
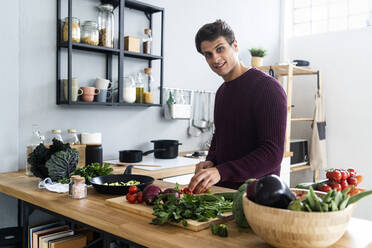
(324, 188)
(335, 175)
(352, 172)
(131, 198)
(139, 197)
(344, 184)
(328, 174)
(127, 196)
(133, 189)
(187, 191)
(337, 186)
(344, 175)
(352, 181)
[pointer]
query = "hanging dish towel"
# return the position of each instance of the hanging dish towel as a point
(318, 151)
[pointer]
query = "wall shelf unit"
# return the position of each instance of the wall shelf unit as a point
(119, 51)
(289, 71)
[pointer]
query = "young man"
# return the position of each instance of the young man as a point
(250, 116)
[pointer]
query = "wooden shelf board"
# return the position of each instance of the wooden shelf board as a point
(282, 70)
(111, 104)
(302, 119)
(300, 168)
(132, 4)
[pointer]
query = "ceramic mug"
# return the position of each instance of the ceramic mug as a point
(75, 91)
(102, 96)
(102, 83)
(89, 93)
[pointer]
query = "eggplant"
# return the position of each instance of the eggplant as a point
(271, 191)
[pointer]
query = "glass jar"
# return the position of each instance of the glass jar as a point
(72, 181)
(72, 137)
(129, 91)
(139, 87)
(56, 134)
(79, 188)
(36, 139)
(89, 33)
(75, 29)
(148, 95)
(147, 41)
(106, 25)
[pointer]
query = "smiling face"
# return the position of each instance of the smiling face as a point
(222, 57)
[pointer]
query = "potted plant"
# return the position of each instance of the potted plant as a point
(257, 56)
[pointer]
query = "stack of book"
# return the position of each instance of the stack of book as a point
(55, 235)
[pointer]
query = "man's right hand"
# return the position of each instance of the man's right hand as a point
(203, 165)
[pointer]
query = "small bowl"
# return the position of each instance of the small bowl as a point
(287, 228)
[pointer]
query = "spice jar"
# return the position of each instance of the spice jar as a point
(79, 188)
(106, 25)
(72, 137)
(75, 29)
(139, 88)
(56, 134)
(89, 33)
(129, 92)
(147, 41)
(72, 181)
(148, 96)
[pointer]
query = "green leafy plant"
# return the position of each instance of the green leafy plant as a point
(62, 164)
(200, 208)
(93, 170)
(258, 52)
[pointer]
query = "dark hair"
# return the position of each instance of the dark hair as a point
(212, 31)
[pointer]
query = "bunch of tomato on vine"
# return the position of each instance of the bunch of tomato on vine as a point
(340, 179)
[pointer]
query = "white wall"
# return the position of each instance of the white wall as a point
(256, 23)
(344, 60)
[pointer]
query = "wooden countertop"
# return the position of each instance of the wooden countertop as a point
(94, 212)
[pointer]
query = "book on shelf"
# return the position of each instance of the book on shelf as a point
(75, 241)
(37, 235)
(33, 229)
(43, 241)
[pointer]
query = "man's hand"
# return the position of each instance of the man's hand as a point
(204, 179)
(203, 165)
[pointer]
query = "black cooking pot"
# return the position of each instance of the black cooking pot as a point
(132, 156)
(166, 149)
(98, 182)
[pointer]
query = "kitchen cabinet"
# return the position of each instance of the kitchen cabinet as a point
(71, 46)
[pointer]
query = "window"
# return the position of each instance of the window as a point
(321, 16)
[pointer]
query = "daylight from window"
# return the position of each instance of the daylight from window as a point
(322, 16)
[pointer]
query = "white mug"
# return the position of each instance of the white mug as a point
(102, 83)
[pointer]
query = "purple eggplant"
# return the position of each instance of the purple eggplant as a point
(271, 191)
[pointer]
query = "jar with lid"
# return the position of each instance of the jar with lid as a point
(139, 87)
(147, 41)
(75, 29)
(72, 181)
(148, 95)
(129, 90)
(89, 33)
(79, 188)
(106, 25)
(56, 134)
(72, 137)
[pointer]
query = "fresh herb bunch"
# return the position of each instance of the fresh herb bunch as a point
(200, 208)
(258, 52)
(93, 170)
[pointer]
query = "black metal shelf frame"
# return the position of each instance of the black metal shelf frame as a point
(120, 52)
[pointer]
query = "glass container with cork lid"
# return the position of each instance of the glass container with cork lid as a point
(75, 29)
(147, 41)
(89, 33)
(106, 25)
(72, 137)
(56, 134)
(148, 95)
(79, 188)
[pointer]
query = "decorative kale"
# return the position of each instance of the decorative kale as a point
(62, 164)
(37, 159)
(58, 146)
(40, 155)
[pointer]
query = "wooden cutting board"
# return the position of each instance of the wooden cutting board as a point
(144, 210)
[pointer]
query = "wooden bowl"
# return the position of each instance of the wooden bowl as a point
(286, 228)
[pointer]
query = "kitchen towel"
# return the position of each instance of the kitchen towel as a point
(48, 184)
(318, 151)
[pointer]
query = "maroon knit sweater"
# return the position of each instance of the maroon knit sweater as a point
(250, 119)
